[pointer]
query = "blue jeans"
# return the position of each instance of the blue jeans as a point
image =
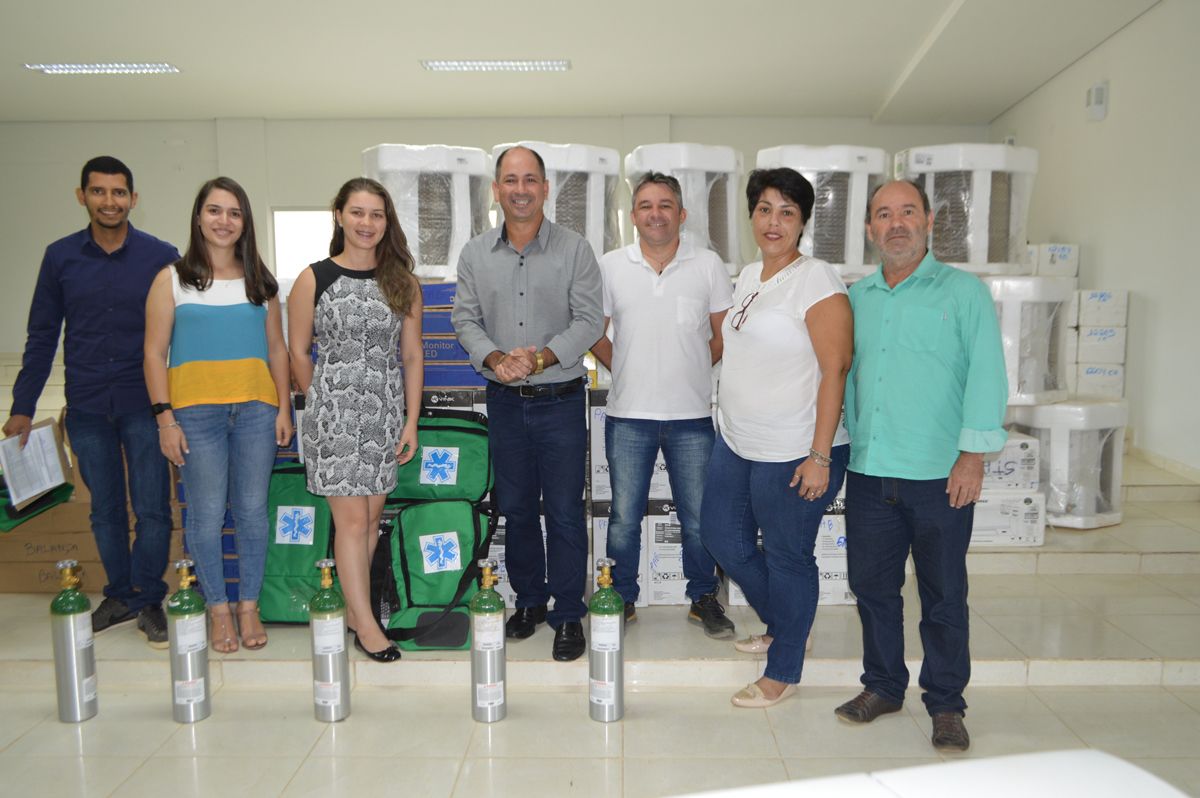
(231, 451)
(781, 582)
(885, 518)
(539, 448)
(105, 446)
(631, 446)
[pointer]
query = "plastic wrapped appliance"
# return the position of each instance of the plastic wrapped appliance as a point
(583, 189)
(442, 196)
(980, 196)
(1081, 444)
(710, 177)
(1031, 313)
(843, 179)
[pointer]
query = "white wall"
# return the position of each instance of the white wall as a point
(1125, 190)
(301, 163)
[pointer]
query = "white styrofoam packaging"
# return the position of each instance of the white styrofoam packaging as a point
(601, 512)
(1009, 518)
(1029, 310)
(1103, 307)
(598, 479)
(1015, 467)
(1100, 379)
(830, 553)
(1056, 260)
(1101, 345)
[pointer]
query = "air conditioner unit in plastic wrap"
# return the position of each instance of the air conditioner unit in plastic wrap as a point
(442, 197)
(843, 179)
(1080, 443)
(583, 189)
(980, 198)
(710, 177)
(1030, 310)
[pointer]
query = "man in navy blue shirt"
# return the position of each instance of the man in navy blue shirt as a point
(96, 281)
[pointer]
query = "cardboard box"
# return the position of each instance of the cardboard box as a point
(42, 577)
(668, 584)
(1009, 518)
(65, 517)
(1055, 260)
(1103, 307)
(473, 399)
(18, 546)
(1100, 379)
(1101, 345)
(1015, 467)
(601, 512)
(444, 349)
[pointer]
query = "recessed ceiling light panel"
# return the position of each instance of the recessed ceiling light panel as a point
(104, 69)
(504, 65)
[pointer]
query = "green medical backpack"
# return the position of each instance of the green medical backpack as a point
(302, 534)
(453, 461)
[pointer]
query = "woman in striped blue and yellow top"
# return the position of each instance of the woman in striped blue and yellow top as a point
(217, 371)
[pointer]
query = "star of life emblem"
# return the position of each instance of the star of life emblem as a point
(294, 526)
(441, 552)
(439, 465)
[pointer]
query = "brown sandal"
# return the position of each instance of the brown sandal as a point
(254, 636)
(222, 632)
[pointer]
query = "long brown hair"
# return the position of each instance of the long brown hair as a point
(393, 261)
(195, 267)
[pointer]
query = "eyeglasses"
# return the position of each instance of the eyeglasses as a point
(739, 318)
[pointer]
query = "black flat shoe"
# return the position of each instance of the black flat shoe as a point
(524, 621)
(389, 654)
(568, 641)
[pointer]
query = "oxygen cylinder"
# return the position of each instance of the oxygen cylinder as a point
(330, 660)
(187, 632)
(488, 697)
(74, 654)
(606, 659)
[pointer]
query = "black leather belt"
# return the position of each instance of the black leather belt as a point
(540, 391)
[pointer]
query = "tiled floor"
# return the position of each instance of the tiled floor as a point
(1107, 660)
(423, 742)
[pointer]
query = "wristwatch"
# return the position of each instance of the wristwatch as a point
(160, 407)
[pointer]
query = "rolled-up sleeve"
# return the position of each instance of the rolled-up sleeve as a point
(584, 297)
(985, 395)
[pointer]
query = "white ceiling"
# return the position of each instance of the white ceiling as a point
(927, 61)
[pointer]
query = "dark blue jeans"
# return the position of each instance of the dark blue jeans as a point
(105, 446)
(631, 446)
(539, 449)
(781, 582)
(885, 518)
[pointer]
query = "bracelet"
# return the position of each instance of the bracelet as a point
(541, 364)
(822, 460)
(168, 426)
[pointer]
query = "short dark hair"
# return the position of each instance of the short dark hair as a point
(105, 165)
(660, 179)
(919, 188)
(787, 182)
(500, 160)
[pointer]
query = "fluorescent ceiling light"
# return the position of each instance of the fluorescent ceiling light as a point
(505, 65)
(104, 69)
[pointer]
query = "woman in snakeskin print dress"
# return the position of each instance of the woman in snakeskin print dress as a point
(363, 397)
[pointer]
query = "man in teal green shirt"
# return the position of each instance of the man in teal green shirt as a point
(925, 399)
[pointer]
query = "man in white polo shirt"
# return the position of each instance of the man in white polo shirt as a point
(666, 301)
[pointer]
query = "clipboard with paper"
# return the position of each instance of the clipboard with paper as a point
(38, 468)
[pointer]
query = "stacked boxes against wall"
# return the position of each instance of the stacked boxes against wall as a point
(447, 364)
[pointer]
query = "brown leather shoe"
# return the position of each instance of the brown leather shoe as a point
(865, 707)
(949, 733)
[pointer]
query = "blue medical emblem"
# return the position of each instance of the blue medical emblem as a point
(439, 466)
(295, 525)
(441, 552)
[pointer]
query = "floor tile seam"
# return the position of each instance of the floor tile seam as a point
(132, 773)
(1158, 655)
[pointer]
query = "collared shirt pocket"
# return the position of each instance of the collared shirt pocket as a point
(921, 328)
(690, 312)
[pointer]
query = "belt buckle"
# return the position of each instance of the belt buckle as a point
(527, 391)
